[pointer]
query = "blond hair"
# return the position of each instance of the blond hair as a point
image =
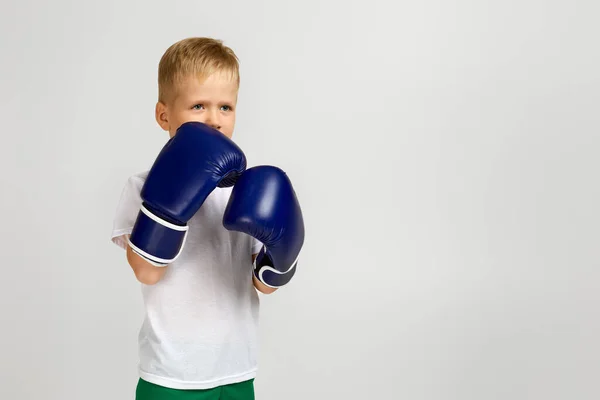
(199, 56)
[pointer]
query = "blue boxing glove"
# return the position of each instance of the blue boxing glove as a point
(263, 204)
(195, 161)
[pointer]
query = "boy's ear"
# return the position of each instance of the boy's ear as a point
(161, 115)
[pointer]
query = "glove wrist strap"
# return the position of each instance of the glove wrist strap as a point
(157, 240)
(270, 276)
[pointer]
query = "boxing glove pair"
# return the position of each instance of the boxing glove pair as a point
(263, 204)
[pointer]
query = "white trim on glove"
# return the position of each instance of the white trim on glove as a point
(269, 268)
(157, 261)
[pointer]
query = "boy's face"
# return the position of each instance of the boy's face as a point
(212, 101)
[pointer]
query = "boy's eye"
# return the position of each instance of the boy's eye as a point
(226, 108)
(197, 107)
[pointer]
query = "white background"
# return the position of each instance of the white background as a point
(445, 155)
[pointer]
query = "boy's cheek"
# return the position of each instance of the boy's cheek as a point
(187, 117)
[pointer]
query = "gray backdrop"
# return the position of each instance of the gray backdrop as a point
(444, 153)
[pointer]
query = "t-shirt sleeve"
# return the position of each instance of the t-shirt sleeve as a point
(256, 246)
(127, 211)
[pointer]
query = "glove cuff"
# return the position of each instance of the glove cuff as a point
(270, 276)
(158, 241)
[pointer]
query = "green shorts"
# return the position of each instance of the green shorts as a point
(236, 391)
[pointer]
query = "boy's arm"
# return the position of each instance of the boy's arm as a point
(258, 284)
(124, 221)
(145, 272)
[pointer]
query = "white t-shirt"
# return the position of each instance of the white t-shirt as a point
(201, 321)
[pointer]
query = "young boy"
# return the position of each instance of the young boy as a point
(203, 234)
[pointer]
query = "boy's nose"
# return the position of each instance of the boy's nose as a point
(212, 120)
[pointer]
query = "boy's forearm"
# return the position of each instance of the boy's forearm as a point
(262, 287)
(145, 272)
